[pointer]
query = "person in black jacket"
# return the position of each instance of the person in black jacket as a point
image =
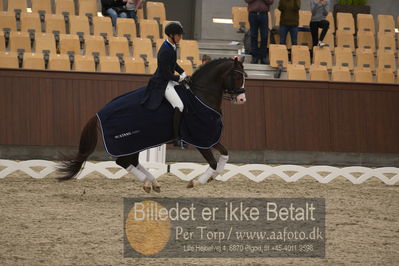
(164, 80)
(114, 9)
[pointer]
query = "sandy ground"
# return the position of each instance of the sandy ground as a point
(44, 222)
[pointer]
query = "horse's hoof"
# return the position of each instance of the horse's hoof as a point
(156, 189)
(190, 184)
(210, 179)
(147, 189)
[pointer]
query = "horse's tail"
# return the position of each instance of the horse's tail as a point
(70, 167)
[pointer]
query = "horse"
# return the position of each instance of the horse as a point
(214, 81)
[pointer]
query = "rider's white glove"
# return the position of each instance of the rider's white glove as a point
(182, 76)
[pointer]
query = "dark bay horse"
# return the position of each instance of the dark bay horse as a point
(210, 84)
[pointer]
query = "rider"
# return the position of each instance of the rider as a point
(164, 80)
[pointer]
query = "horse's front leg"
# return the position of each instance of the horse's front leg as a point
(210, 172)
(223, 158)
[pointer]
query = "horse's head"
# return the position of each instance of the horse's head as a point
(234, 82)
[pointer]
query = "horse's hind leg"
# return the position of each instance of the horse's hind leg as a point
(210, 172)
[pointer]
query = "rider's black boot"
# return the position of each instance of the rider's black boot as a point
(176, 128)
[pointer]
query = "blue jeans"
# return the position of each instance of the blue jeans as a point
(114, 15)
(284, 31)
(132, 14)
(258, 22)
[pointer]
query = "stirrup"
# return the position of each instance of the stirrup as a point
(179, 143)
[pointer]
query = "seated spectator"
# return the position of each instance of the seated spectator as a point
(132, 6)
(289, 20)
(319, 13)
(114, 9)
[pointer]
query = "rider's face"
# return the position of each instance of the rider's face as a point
(177, 37)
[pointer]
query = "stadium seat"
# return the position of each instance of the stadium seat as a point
(109, 64)
(386, 60)
(103, 26)
(156, 11)
(30, 21)
(55, 23)
(345, 39)
(7, 21)
(134, 65)
(365, 23)
(343, 57)
(140, 14)
(363, 75)
(322, 56)
(41, 6)
(142, 48)
(20, 40)
(65, 6)
(318, 73)
(2, 42)
(340, 74)
(278, 55)
(59, 62)
(149, 29)
(345, 22)
(277, 14)
(1, 6)
(152, 66)
(329, 39)
(69, 43)
(33, 61)
(88, 8)
(385, 76)
(240, 18)
(45, 41)
(8, 60)
(386, 24)
(386, 42)
(126, 26)
(300, 55)
(94, 44)
(365, 58)
(297, 72)
(78, 25)
(366, 40)
(186, 65)
(330, 19)
(304, 18)
(119, 45)
(305, 38)
(84, 63)
(14, 5)
(189, 50)
(158, 45)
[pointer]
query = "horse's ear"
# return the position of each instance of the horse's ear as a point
(236, 59)
(242, 60)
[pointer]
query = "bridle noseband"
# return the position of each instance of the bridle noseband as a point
(231, 93)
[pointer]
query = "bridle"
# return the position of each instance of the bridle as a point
(230, 93)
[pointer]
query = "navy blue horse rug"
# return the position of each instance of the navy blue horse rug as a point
(128, 127)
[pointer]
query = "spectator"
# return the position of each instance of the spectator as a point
(289, 20)
(259, 21)
(319, 13)
(114, 9)
(132, 6)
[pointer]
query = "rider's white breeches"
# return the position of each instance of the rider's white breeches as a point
(172, 96)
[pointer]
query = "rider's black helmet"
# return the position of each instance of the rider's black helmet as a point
(173, 28)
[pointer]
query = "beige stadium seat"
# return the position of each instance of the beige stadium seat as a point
(94, 44)
(386, 42)
(156, 11)
(79, 24)
(142, 48)
(17, 5)
(305, 39)
(152, 66)
(318, 73)
(118, 45)
(322, 56)
(69, 43)
(385, 76)
(329, 40)
(345, 22)
(59, 62)
(30, 21)
(55, 23)
(45, 41)
(7, 21)
(159, 44)
(344, 57)
(240, 18)
(365, 58)
(386, 60)
(103, 26)
(345, 39)
(2, 42)
(84, 63)
(277, 14)
(341, 74)
(126, 26)
(330, 18)
(39, 6)
(386, 24)
(365, 23)
(20, 40)
(65, 6)
(363, 75)
(149, 29)
(33, 61)
(88, 8)
(109, 64)
(134, 65)
(366, 40)
(186, 65)
(304, 18)
(297, 72)
(8, 60)
(300, 55)
(140, 14)
(278, 55)
(189, 50)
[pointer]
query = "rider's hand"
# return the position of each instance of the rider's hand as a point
(182, 76)
(188, 79)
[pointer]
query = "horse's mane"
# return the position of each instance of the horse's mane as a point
(207, 65)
